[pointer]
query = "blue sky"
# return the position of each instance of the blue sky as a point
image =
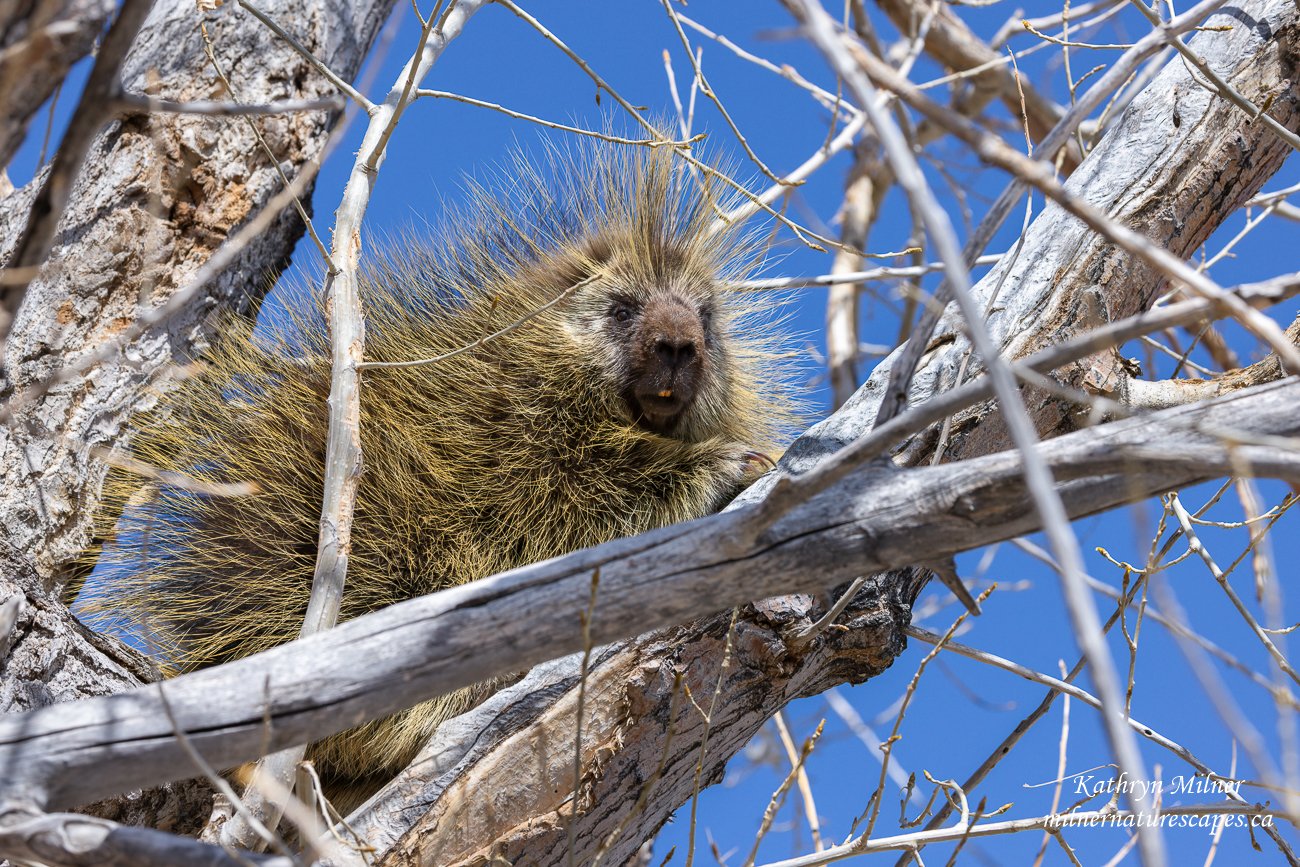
(961, 709)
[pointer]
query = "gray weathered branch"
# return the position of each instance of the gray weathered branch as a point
(39, 42)
(93, 111)
(878, 518)
(73, 840)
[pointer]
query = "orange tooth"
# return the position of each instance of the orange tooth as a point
(667, 392)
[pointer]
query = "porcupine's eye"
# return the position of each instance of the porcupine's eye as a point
(621, 313)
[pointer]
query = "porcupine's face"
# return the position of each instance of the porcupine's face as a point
(659, 344)
(664, 342)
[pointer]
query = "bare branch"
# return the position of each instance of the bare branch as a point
(133, 102)
(900, 372)
(100, 746)
(343, 456)
(39, 42)
(74, 840)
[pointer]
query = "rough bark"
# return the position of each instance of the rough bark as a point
(486, 800)
(156, 195)
(94, 109)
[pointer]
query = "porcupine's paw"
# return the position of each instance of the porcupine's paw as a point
(749, 465)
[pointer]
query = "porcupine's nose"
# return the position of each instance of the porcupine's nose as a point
(675, 352)
(674, 332)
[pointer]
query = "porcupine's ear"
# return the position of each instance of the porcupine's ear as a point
(583, 260)
(598, 251)
(593, 255)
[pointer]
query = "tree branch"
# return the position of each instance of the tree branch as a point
(93, 111)
(39, 42)
(877, 519)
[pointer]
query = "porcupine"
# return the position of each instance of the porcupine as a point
(624, 387)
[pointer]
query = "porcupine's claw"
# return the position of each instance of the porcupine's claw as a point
(761, 459)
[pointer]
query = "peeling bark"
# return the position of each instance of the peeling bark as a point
(633, 702)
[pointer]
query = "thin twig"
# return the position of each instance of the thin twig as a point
(778, 797)
(1194, 543)
(994, 151)
(797, 765)
(707, 90)
(343, 456)
(138, 103)
(550, 124)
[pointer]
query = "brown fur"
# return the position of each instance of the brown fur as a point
(630, 404)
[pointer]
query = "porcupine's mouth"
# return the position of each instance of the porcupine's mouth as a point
(659, 411)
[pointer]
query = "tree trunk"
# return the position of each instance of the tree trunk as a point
(39, 41)
(158, 194)
(155, 197)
